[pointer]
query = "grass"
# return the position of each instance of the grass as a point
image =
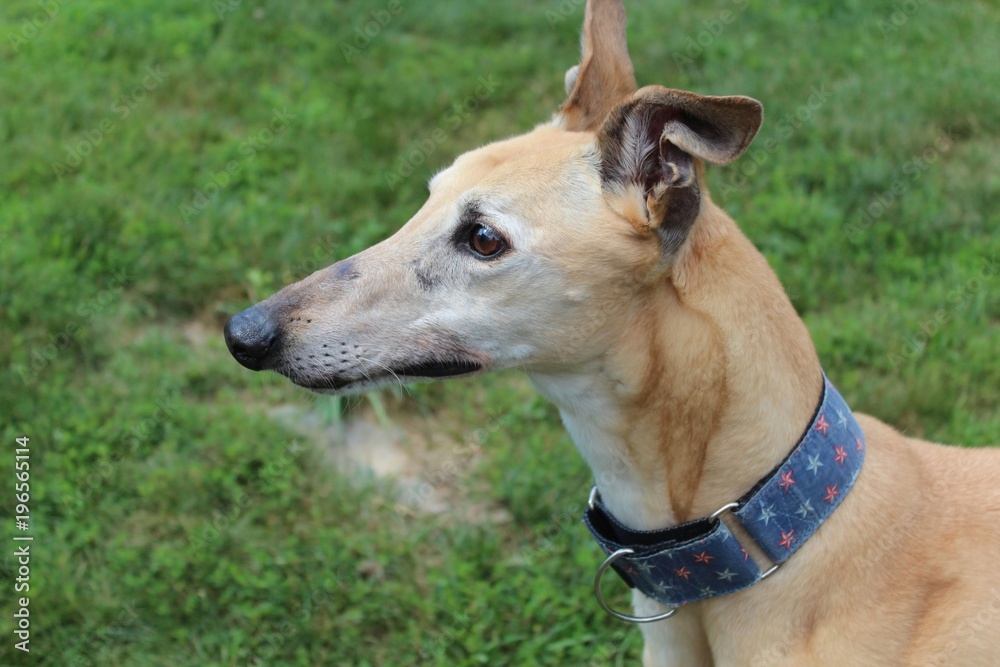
(148, 190)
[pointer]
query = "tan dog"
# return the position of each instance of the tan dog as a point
(589, 252)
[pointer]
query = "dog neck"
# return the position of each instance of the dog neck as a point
(707, 389)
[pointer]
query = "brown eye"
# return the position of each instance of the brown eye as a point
(486, 242)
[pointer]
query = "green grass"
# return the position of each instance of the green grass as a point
(173, 524)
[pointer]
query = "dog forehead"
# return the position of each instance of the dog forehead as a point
(527, 183)
(536, 158)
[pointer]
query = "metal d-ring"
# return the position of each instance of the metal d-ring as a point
(731, 506)
(722, 510)
(771, 570)
(617, 614)
(592, 500)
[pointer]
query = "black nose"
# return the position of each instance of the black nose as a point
(250, 337)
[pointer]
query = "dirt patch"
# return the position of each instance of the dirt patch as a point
(198, 333)
(429, 469)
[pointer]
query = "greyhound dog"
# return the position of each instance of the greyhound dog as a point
(589, 252)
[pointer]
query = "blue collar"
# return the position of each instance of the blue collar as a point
(702, 559)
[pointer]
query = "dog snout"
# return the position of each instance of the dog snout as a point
(252, 337)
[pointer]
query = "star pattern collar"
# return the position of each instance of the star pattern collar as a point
(702, 559)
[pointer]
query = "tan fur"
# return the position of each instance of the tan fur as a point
(681, 371)
(605, 73)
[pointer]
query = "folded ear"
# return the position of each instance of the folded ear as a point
(652, 140)
(604, 76)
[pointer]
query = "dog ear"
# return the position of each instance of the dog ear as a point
(604, 76)
(653, 141)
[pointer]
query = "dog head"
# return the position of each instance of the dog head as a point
(527, 252)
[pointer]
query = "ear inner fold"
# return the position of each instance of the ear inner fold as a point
(654, 139)
(715, 129)
(674, 202)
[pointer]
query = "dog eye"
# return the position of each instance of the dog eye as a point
(485, 242)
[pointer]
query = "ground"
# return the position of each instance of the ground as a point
(167, 164)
